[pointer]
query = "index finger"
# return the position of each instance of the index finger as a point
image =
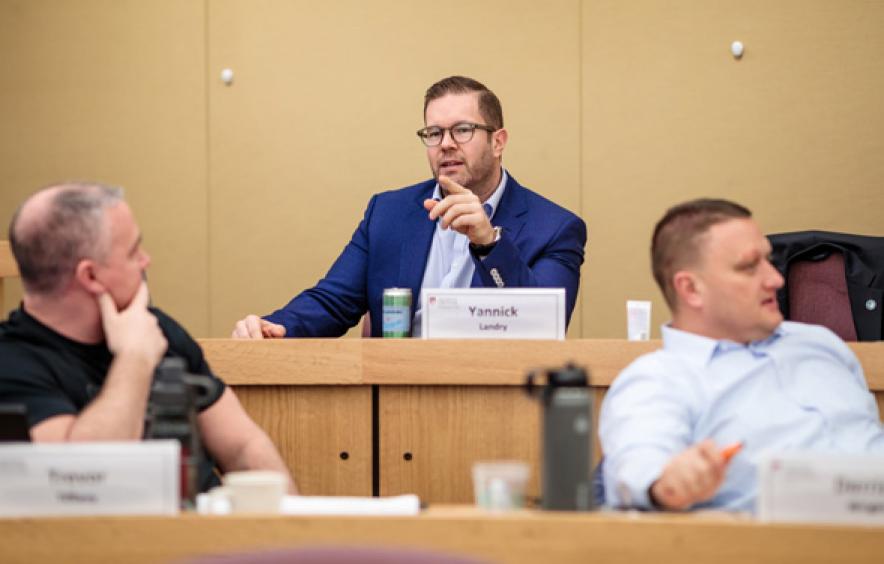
(106, 305)
(253, 326)
(452, 187)
(142, 297)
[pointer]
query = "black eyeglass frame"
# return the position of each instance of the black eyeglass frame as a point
(423, 132)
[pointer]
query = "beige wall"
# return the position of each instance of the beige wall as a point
(616, 109)
(794, 130)
(323, 111)
(114, 91)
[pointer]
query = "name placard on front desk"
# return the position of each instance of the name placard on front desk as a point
(493, 313)
(821, 488)
(108, 478)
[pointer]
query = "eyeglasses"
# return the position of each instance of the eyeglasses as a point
(461, 133)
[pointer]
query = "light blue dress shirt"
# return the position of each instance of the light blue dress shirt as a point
(801, 389)
(450, 264)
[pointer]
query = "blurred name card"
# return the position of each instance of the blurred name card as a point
(493, 313)
(831, 488)
(107, 478)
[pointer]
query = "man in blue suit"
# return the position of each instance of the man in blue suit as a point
(472, 225)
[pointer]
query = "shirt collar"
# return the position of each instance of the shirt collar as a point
(492, 201)
(700, 350)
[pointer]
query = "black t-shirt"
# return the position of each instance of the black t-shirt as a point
(53, 375)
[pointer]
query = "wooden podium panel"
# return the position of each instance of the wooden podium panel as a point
(431, 435)
(322, 432)
(442, 403)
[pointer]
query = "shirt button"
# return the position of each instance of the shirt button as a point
(871, 305)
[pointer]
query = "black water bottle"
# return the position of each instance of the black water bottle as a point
(567, 437)
(175, 398)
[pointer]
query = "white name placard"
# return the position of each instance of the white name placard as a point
(493, 313)
(830, 488)
(106, 478)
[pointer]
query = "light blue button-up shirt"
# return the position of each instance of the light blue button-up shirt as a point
(450, 264)
(800, 389)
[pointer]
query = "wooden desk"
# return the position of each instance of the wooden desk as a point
(438, 405)
(527, 537)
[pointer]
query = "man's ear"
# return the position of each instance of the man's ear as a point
(498, 142)
(85, 276)
(689, 289)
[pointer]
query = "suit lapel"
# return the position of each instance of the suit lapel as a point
(416, 248)
(510, 215)
(511, 210)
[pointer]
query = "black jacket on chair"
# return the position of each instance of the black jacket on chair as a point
(864, 272)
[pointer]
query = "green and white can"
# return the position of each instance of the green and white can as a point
(397, 313)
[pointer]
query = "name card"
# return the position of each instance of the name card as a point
(830, 488)
(108, 478)
(493, 313)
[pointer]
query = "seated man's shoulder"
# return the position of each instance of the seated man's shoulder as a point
(175, 333)
(20, 337)
(650, 381)
(809, 333)
(406, 194)
(658, 367)
(18, 352)
(809, 339)
(182, 344)
(799, 328)
(541, 205)
(166, 320)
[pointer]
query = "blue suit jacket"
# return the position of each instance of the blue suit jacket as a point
(541, 246)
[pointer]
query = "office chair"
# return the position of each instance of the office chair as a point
(832, 279)
(817, 293)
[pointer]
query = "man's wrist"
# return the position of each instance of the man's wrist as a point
(483, 250)
(135, 353)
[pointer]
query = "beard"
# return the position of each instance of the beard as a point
(477, 176)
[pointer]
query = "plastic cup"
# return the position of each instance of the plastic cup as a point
(255, 491)
(500, 485)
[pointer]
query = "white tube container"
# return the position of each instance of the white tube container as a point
(638, 320)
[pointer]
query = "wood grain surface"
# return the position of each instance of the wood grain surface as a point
(323, 434)
(440, 362)
(523, 537)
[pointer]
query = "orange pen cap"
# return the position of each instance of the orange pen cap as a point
(731, 450)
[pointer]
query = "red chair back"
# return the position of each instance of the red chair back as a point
(818, 294)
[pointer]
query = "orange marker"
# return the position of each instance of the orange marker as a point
(731, 450)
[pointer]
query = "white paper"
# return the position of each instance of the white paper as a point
(101, 478)
(493, 313)
(218, 504)
(408, 504)
(830, 488)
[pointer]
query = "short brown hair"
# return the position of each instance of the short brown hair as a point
(489, 105)
(676, 240)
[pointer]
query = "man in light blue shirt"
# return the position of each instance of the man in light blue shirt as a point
(730, 371)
